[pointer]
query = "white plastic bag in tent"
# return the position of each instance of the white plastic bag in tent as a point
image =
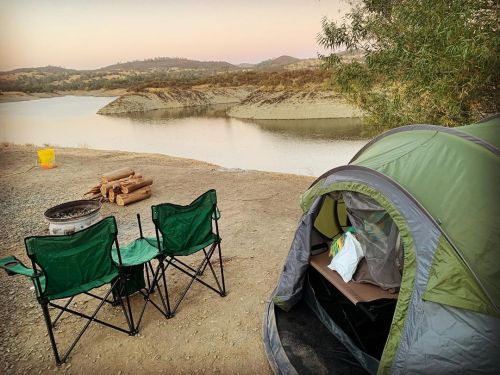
(346, 261)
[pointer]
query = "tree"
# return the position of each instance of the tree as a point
(425, 61)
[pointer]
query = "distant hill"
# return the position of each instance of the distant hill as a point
(170, 62)
(277, 63)
(161, 63)
(162, 72)
(43, 69)
(173, 63)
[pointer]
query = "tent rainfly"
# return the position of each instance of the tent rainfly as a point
(424, 201)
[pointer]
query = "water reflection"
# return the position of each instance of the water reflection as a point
(339, 128)
(163, 115)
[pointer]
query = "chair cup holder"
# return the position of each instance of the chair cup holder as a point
(11, 264)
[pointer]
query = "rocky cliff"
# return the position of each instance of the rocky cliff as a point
(150, 99)
(293, 105)
(249, 103)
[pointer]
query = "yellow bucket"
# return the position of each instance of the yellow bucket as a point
(47, 158)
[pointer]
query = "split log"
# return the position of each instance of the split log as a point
(133, 184)
(117, 174)
(138, 195)
(113, 192)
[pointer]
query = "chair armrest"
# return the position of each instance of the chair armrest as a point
(14, 266)
(216, 215)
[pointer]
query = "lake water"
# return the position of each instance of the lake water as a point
(306, 147)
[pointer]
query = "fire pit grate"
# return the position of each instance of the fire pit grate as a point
(72, 216)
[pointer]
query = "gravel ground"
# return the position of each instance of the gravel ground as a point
(209, 334)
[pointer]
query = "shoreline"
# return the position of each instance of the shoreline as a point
(259, 217)
(213, 166)
(18, 96)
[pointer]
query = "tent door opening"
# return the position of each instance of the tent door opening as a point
(363, 307)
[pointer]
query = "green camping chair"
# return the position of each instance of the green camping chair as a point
(185, 230)
(69, 265)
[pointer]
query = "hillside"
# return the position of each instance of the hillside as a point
(49, 69)
(277, 63)
(160, 63)
(168, 63)
(157, 72)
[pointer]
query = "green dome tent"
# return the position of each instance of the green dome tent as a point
(439, 188)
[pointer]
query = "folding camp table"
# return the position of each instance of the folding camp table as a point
(357, 293)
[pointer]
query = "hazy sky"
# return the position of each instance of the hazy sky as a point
(94, 33)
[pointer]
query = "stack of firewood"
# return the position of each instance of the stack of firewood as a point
(122, 187)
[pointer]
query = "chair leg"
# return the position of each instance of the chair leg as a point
(46, 315)
(61, 312)
(166, 306)
(129, 317)
(92, 318)
(164, 277)
(193, 279)
(223, 291)
(172, 261)
(204, 267)
(183, 295)
(221, 271)
(147, 275)
(207, 260)
(152, 272)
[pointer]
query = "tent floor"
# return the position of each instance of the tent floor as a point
(310, 347)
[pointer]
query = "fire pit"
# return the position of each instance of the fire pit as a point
(73, 216)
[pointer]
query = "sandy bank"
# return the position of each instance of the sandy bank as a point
(17, 96)
(259, 216)
(289, 105)
(151, 99)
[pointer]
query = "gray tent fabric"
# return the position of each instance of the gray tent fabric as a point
(277, 357)
(291, 283)
(439, 339)
(378, 235)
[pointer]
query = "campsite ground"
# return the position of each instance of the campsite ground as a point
(209, 334)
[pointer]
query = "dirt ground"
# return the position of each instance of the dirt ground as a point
(209, 334)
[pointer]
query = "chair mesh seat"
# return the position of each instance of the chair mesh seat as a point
(208, 240)
(137, 252)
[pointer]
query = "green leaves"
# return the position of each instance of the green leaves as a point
(424, 61)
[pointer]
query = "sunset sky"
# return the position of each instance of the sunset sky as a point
(88, 34)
